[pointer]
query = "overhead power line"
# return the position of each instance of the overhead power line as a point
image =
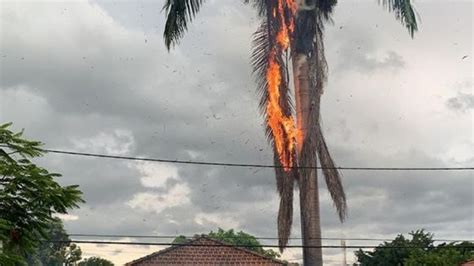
(257, 237)
(176, 161)
(190, 237)
(237, 245)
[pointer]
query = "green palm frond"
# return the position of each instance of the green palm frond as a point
(178, 14)
(404, 12)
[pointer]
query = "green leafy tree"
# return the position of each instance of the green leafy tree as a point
(441, 255)
(419, 250)
(29, 196)
(58, 251)
(180, 240)
(235, 238)
(242, 238)
(71, 254)
(292, 32)
(95, 261)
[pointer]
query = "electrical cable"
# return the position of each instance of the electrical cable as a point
(257, 237)
(237, 245)
(176, 161)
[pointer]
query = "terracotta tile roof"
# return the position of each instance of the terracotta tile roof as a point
(468, 263)
(220, 254)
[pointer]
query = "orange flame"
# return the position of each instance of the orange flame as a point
(287, 24)
(282, 126)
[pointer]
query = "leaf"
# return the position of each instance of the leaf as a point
(29, 195)
(404, 12)
(179, 14)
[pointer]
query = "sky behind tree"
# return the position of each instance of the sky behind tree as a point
(94, 76)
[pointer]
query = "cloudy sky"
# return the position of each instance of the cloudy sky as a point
(94, 76)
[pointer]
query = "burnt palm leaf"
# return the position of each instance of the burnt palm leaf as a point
(263, 45)
(285, 187)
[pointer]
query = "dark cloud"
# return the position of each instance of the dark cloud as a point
(92, 83)
(359, 53)
(354, 59)
(462, 102)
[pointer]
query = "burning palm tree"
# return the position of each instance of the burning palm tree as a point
(292, 31)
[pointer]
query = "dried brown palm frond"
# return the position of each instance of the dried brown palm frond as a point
(318, 77)
(259, 61)
(285, 186)
(332, 177)
(309, 42)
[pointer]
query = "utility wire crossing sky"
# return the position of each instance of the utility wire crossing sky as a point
(253, 165)
(232, 245)
(257, 237)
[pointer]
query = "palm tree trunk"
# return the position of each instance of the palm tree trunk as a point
(310, 220)
(308, 180)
